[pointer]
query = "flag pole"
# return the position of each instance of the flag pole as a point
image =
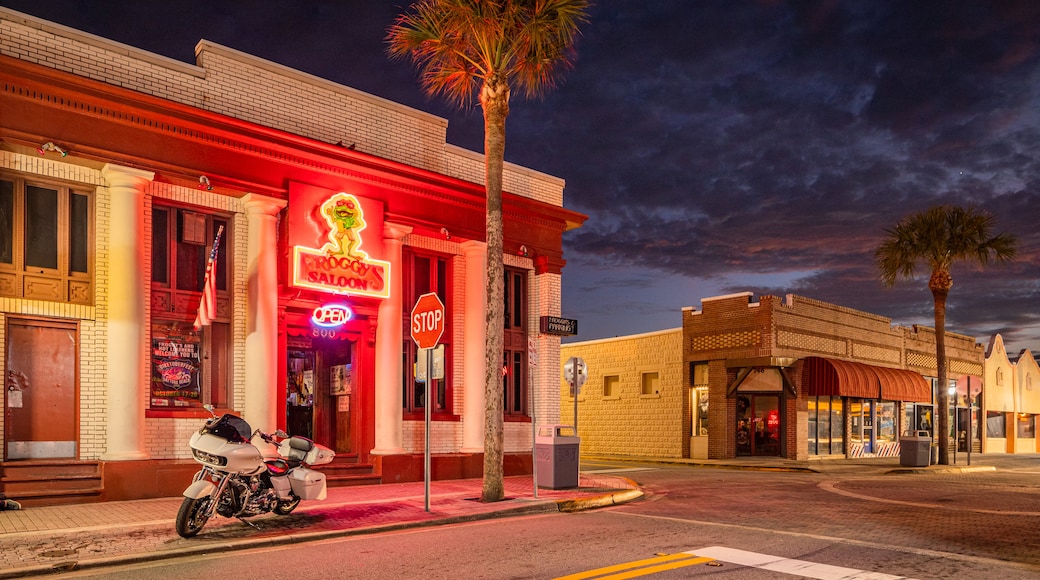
(208, 301)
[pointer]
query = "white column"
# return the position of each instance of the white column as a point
(261, 311)
(389, 372)
(474, 335)
(545, 301)
(127, 384)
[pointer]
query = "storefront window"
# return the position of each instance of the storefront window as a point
(46, 241)
(424, 273)
(179, 380)
(922, 419)
(1026, 426)
(996, 424)
(885, 426)
(825, 426)
(699, 378)
(182, 240)
(700, 419)
(814, 423)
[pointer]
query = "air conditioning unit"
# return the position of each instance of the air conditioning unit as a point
(193, 228)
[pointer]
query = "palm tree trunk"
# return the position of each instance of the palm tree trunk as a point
(494, 99)
(942, 391)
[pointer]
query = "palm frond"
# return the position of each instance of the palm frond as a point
(938, 237)
(459, 44)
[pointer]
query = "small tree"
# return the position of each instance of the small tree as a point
(937, 237)
(461, 46)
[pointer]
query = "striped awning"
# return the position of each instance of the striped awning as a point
(840, 378)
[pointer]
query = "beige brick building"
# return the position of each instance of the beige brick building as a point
(633, 401)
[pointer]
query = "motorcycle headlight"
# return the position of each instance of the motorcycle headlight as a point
(209, 458)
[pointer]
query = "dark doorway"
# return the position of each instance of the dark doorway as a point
(758, 425)
(320, 395)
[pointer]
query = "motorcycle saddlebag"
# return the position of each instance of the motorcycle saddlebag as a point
(307, 483)
(319, 455)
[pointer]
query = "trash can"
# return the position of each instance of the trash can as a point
(556, 448)
(915, 449)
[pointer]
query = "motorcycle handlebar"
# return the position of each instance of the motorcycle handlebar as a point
(271, 438)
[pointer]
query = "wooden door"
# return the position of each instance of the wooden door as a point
(41, 398)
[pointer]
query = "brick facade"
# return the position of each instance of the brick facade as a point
(249, 88)
(255, 127)
(629, 422)
(748, 346)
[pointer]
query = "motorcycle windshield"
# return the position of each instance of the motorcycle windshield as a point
(231, 428)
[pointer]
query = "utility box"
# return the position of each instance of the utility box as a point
(915, 449)
(556, 449)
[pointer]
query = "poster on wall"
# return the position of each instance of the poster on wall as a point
(340, 379)
(175, 373)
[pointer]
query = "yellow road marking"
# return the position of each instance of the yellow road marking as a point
(639, 567)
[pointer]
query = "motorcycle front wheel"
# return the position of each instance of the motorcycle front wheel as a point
(285, 507)
(192, 516)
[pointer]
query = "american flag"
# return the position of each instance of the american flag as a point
(208, 303)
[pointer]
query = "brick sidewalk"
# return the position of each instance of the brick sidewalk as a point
(45, 539)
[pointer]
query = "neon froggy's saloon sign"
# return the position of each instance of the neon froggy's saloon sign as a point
(340, 265)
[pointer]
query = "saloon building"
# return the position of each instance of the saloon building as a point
(331, 212)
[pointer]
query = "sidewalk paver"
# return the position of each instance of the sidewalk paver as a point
(43, 540)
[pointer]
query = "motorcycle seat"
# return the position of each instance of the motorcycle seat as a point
(297, 447)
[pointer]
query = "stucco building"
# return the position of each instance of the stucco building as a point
(1011, 400)
(335, 210)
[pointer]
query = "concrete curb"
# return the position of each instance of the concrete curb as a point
(535, 507)
(941, 469)
(617, 498)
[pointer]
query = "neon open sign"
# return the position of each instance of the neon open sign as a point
(331, 315)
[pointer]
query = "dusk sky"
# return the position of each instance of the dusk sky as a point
(719, 146)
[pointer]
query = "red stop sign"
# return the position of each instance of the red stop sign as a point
(427, 320)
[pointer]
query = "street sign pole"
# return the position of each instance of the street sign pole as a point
(574, 389)
(429, 418)
(426, 329)
(575, 372)
(532, 362)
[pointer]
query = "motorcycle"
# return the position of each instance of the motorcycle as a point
(237, 480)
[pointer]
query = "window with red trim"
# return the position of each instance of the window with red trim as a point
(514, 356)
(188, 368)
(425, 272)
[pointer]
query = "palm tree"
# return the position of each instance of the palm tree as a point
(461, 46)
(937, 237)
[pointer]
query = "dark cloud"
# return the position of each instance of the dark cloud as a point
(721, 146)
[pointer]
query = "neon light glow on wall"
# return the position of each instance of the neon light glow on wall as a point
(341, 266)
(331, 315)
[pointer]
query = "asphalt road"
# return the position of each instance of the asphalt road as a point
(698, 522)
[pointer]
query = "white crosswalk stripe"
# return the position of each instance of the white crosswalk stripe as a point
(788, 565)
